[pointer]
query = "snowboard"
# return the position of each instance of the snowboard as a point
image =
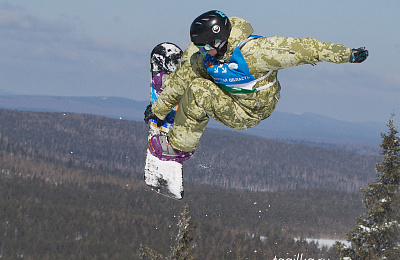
(163, 176)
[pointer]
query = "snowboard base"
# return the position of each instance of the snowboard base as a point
(164, 177)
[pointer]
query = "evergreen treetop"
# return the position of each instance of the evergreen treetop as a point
(182, 248)
(377, 233)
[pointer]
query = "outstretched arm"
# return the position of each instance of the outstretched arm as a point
(283, 52)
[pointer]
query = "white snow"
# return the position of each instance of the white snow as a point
(324, 241)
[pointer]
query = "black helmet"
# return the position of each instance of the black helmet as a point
(212, 27)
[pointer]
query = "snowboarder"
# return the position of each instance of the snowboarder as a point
(231, 75)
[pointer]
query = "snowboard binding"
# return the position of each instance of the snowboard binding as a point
(162, 149)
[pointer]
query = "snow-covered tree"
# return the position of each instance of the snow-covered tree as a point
(182, 248)
(377, 233)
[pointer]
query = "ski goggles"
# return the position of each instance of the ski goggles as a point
(204, 48)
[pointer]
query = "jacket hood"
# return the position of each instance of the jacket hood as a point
(241, 30)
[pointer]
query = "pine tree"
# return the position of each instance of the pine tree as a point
(182, 249)
(146, 251)
(376, 235)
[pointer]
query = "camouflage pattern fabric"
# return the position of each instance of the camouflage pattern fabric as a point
(199, 97)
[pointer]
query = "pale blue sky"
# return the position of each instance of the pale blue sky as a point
(102, 48)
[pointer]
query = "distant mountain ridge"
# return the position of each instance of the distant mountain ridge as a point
(308, 128)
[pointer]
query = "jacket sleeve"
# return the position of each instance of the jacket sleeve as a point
(190, 68)
(275, 53)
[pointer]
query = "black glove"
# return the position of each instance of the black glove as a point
(358, 55)
(148, 114)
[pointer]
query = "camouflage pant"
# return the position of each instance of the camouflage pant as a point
(203, 98)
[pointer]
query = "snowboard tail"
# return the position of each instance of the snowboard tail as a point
(165, 177)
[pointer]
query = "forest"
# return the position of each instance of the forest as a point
(226, 159)
(71, 186)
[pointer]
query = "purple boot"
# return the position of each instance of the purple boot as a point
(161, 148)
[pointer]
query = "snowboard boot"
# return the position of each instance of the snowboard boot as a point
(161, 148)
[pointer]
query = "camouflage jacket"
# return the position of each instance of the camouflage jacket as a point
(262, 55)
